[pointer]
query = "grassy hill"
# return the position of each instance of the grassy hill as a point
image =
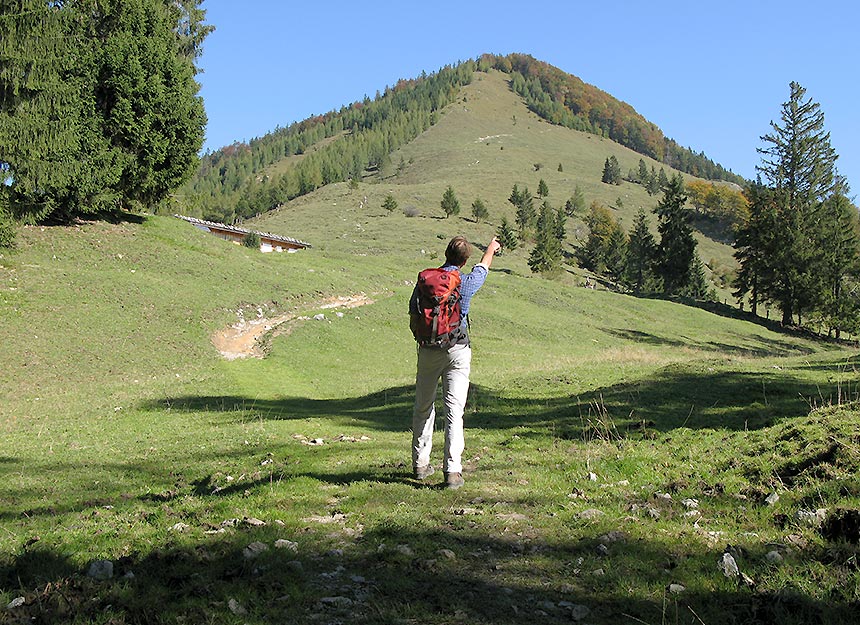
(483, 145)
(617, 448)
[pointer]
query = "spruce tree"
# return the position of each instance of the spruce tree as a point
(99, 110)
(576, 204)
(643, 173)
(526, 215)
(389, 203)
(543, 189)
(546, 255)
(677, 244)
(798, 165)
(450, 204)
(479, 210)
(506, 236)
(840, 308)
(639, 272)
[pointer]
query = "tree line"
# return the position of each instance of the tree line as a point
(234, 183)
(563, 99)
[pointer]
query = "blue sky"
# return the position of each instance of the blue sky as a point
(711, 75)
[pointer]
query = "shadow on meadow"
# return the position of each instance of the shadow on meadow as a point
(691, 395)
(397, 574)
(752, 347)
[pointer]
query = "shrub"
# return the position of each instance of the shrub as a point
(411, 211)
(252, 240)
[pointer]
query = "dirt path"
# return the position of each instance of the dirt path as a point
(244, 338)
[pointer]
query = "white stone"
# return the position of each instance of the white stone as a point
(236, 608)
(728, 565)
(591, 514)
(283, 543)
(17, 602)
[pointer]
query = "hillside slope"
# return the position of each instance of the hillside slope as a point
(482, 146)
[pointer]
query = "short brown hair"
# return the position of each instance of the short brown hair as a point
(458, 251)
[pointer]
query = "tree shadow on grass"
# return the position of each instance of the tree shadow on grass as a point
(690, 395)
(757, 347)
(451, 571)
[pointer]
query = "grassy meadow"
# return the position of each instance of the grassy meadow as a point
(617, 447)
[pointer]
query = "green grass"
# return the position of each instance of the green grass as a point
(120, 420)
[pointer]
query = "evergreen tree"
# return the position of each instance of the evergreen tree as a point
(543, 189)
(677, 245)
(546, 255)
(639, 272)
(450, 204)
(389, 203)
(643, 173)
(611, 171)
(840, 307)
(506, 236)
(653, 186)
(616, 253)
(662, 180)
(99, 108)
(576, 204)
(697, 286)
(516, 196)
(560, 225)
(526, 215)
(479, 210)
(754, 244)
(798, 165)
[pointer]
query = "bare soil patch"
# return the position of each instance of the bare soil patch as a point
(244, 339)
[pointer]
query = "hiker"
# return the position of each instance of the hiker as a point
(444, 352)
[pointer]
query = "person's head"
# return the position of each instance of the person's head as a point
(458, 251)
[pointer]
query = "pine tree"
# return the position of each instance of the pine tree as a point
(677, 245)
(526, 215)
(653, 186)
(479, 210)
(840, 264)
(450, 204)
(546, 255)
(697, 285)
(99, 110)
(641, 254)
(754, 244)
(389, 203)
(616, 253)
(643, 173)
(576, 204)
(543, 189)
(611, 171)
(506, 236)
(798, 165)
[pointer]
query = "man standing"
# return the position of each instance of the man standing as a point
(451, 363)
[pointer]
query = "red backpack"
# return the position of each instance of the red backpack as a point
(437, 323)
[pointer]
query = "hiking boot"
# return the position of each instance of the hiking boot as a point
(454, 480)
(422, 473)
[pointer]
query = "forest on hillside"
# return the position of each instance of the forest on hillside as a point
(236, 182)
